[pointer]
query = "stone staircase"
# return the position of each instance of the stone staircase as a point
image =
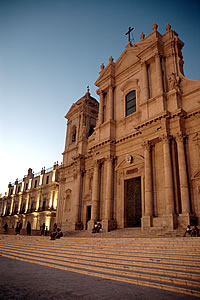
(167, 263)
(128, 232)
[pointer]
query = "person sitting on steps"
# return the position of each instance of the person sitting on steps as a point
(195, 231)
(94, 229)
(188, 230)
(56, 234)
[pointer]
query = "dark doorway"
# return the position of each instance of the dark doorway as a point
(88, 216)
(132, 202)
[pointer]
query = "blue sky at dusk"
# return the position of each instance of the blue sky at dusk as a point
(51, 50)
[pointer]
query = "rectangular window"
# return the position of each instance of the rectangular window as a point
(47, 180)
(131, 102)
(18, 190)
(35, 185)
(26, 186)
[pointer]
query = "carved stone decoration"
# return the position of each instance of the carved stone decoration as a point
(75, 176)
(174, 82)
(111, 59)
(155, 27)
(168, 27)
(142, 36)
(102, 67)
(146, 144)
(165, 138)
(196, 137)
(67, 200)
(83, 131)
(129, 159)
(180, 137)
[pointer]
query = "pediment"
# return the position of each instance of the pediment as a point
(108, 71)
(127, 59)
(70, 110)
(133, 54)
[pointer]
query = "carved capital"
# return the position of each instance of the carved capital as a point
(180, 137)
(96, 164)
(109, 158)
(165, 138)
(146, 145)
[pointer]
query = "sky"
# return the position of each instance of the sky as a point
(51, 50)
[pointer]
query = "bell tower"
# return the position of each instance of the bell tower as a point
(82, 118)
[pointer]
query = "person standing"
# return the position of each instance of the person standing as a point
(28, 228)
(42, 229)
(17, 228)
(54, 227)
(20, 226)
(5, 228)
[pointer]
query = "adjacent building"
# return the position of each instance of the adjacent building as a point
(33, 199)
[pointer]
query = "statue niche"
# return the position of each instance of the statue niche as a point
(67, 201)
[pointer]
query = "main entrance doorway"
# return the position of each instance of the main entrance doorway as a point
(132, 202)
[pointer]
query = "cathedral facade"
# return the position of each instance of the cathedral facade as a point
(133, 158)
(130, 160)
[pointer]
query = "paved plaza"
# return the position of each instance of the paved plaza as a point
(37, 268)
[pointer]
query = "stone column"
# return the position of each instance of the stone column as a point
(101, 109)
(95, 192)
(158, 75)
(169, 193)
(145, 82)
(183, 175)
(108, 196)
(148, 211)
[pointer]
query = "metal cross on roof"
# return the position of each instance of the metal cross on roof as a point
(129, 33)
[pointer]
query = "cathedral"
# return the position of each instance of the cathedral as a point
(133, 158)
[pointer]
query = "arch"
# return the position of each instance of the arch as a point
(127, 160)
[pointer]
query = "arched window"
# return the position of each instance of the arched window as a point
(131, 102)
(73, 134)
(91, 130)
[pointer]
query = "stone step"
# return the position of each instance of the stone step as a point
(148, 252)
(125, 232)
(179, 273)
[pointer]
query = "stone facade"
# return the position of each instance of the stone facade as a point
(33, 199)
(132, 159)
(140, 166)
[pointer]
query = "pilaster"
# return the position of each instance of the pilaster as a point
(169, 193)
(183, 174)
(145, 82)
(95, 192)
(148, 207)
(159, 75)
